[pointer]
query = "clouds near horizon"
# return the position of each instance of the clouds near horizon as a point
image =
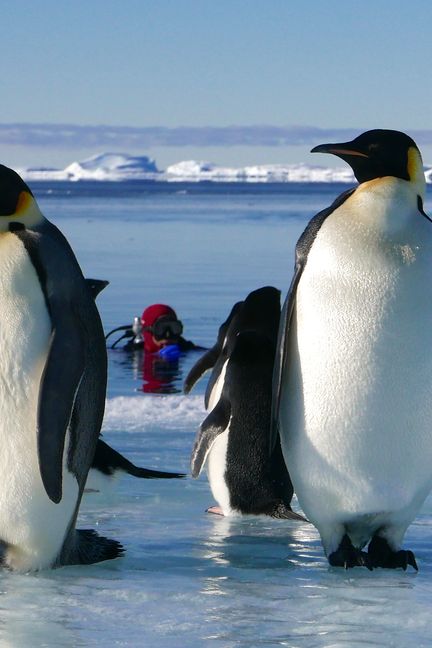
(69, 136)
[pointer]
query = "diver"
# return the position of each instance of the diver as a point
(158, 330)
(157, 344)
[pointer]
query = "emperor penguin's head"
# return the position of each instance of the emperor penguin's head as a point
(379, 153)
(18, 208)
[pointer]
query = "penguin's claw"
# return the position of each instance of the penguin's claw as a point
(381, 555)
(348, 556)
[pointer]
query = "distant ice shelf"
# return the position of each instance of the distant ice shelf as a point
(120, 167)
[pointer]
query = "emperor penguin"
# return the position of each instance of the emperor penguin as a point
(234, 438)
(52, 390)
(352, 396)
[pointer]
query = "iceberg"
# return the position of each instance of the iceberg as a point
(196, 171)
(111, 167)
(121, 167)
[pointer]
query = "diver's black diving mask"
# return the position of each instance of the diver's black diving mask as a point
(165, 328)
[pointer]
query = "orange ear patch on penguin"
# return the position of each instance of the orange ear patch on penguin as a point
(23, 202)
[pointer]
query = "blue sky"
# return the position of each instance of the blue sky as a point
(328, 64)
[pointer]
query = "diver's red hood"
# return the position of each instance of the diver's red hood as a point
(149, 317)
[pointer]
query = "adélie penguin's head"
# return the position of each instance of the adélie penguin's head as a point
(379, 153)
(18, 208)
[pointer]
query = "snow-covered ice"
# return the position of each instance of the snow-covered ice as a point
(116, 167)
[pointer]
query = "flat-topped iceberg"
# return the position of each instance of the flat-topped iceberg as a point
(120, 167)
(196, 171)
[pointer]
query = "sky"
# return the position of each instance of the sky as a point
(193, 68)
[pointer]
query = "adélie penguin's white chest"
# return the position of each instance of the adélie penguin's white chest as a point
(28, 518)
(217, 456)
(356, 401)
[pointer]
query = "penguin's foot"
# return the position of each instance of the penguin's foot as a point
(381, 555)
(215, 509)
(348, 556)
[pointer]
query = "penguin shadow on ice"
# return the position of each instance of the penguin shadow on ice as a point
(352, 396)
(52, 391)
(234, 438)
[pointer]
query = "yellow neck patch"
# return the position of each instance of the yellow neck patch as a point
(27, 212)
(415, 170)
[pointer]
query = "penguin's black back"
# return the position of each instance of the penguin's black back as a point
(256, 482)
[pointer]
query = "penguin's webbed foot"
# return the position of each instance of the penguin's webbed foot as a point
(381, 555)
(348, 556)
(216, 510)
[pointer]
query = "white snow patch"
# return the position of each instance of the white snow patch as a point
(133, 413)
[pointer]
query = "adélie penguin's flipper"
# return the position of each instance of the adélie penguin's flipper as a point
(284, 512)
(205, 362)
(209, 359)
(108, 461)
(215, 423)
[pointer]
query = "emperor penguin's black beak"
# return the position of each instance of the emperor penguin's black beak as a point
(342, 150)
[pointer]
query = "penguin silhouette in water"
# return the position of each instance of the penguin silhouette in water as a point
(234, 438)
(52, 390)
(353, 374)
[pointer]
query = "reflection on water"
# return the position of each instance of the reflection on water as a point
(137, 371)
(157, 375)
(257, 542)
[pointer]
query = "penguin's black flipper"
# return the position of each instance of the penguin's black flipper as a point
(209, 359)
(281, 355)
(301, 253)
(283, 512)
(96, 286)
(215, 423)
(60, 382)
(87, 547)
(108, 461)
(206, 362)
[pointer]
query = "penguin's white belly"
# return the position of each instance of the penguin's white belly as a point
(216, 469)
(356, 405)
(216, 392)
(30, 523)
(217, 456)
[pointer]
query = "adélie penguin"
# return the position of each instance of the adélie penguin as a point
(52, 389)
(353, 374)
(234, 438)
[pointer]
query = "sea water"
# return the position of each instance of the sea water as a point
(190, 579)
